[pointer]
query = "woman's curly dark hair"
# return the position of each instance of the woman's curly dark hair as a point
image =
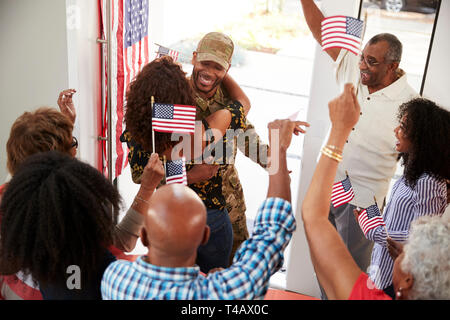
(167, 83)
(427, 127)
(56, 212)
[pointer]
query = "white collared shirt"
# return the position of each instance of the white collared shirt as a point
(369, 156)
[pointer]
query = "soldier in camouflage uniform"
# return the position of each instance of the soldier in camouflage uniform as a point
(219, 188)
(211, 47)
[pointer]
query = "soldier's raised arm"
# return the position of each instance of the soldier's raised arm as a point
(314, 17)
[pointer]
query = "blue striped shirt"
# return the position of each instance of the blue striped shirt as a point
(254, 263)
(429, 197)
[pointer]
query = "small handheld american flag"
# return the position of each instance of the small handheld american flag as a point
(342, 192)
(163, 51)
(176, 171)
(173, 118)
(370, 218)
(342, 32)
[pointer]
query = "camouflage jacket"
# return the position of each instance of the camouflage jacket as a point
(231, 185)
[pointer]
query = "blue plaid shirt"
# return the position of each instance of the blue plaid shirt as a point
(254, 263)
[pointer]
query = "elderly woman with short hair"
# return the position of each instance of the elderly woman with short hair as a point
(425, 261)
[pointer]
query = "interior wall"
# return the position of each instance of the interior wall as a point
(33, 60)
(51, 47)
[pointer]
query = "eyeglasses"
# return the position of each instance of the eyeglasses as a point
(74, 143)
(371, 62)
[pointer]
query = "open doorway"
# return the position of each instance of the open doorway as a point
(272, 63)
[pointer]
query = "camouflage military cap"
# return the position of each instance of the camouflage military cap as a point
(217, 47)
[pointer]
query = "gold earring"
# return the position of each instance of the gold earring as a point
(399, 293)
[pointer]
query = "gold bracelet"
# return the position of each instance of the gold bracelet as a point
(330, 150)
(334, 148)
(330, 154)
(331, 157)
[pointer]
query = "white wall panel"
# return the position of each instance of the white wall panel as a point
(33, 60)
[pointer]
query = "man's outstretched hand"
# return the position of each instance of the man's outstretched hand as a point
(285, 128)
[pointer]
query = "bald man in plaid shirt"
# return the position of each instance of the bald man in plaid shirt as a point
(175, 225)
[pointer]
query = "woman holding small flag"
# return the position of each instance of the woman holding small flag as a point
(421, 269)
(166, 82)
(160, 110)
(422, 141)
(161, 102)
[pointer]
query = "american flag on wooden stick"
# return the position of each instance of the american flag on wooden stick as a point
(163, 51)
(370, 218)
(173, 118)
(342, 192)
(342, 32)
(176, 171)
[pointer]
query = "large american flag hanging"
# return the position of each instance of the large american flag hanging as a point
(176, 171)
(130, 53)
(342, 32)
(370, 218)
(173, 118)
(342, 192)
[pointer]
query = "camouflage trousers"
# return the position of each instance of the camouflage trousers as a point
(234, 196)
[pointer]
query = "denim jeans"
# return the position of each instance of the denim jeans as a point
(216, 253)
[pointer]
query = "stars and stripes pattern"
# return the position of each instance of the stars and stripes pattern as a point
(176, 171)
(370, 218)
(136, 21)
(173, 118)
(342, 32)
(163, 51)
(130, 53)
(342, 192)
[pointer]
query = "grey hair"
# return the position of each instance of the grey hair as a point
(427, 258)
(394, 53)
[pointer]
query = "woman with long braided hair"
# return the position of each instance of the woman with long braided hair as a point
(54, 216)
